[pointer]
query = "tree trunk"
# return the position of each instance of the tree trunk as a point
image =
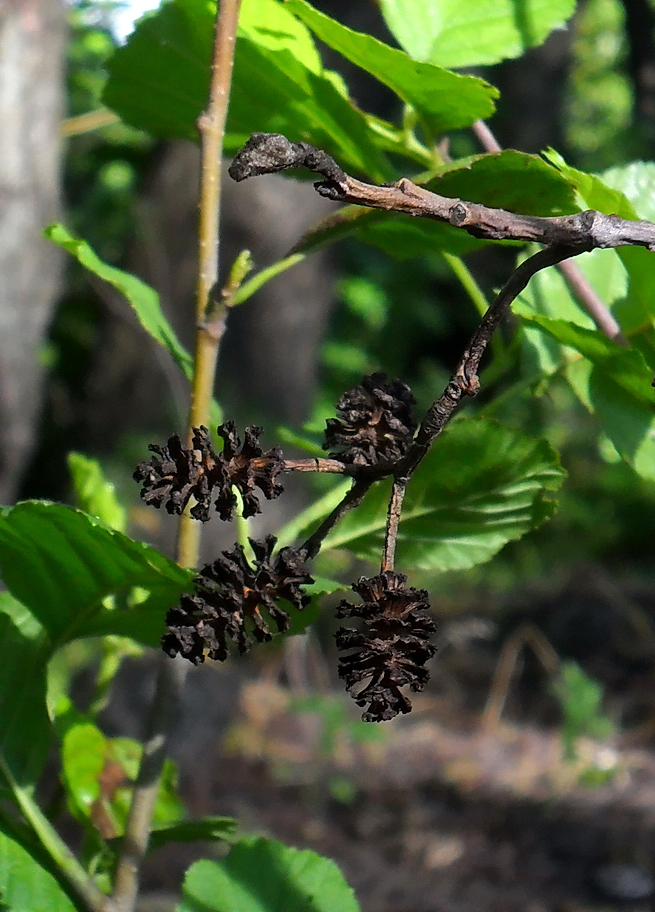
(32, 36)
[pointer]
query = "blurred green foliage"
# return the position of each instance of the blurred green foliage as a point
(581, 702)
(598, 115)
(105, 167)
(411, 316)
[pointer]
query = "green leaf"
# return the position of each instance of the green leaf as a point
(461, 33)
(549, 295)
(25, 886)
(202, 829)
(636, 182)
(311, 515)
(405, 238)
(143, 299)
(98, 774)
(509, 180)
(262, 875)
(481, 486)
(83, 758)
(159, 82)
(95, 494)
(445, 100)
(25, 731)
(637, 310)
(398, 235)
(61, 563)
(615, 384)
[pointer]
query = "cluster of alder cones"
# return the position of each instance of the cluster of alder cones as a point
(238, 600)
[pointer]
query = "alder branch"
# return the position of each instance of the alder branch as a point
(315, 464)
(393, 521)
(563, 237)
(266, 153)
(171, 677)
(463, 382)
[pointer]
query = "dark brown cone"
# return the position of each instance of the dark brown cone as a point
(245, 470)
(176, 473)
(228, 601)
(391, 649)
(375, 422)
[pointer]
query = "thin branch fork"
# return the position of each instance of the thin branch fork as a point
(464, 381)
(586, 296)
(266, 153)
(563, 237)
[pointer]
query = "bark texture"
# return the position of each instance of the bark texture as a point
(32, 38)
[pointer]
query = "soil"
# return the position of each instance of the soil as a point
(451, 808)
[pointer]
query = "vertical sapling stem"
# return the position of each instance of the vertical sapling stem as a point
(210, 325)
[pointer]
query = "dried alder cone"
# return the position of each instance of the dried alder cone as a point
(176, 473)
(390, 650)
(375, 422)
(229, 598)
(235, 601)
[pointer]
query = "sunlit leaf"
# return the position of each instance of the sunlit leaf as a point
(637, 310)
(159, 82)
(445, 100)
(262, 875)
(616, 385)
(462, 33)
(95, 493)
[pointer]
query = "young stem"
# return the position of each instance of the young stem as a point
(210, 321)
(211, 126)
(72, 871)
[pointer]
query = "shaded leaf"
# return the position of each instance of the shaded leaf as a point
(262, 875)
(481, 486)
(204, 829)
(61, 563)
(461, 33)
(445, 100)
(24, 652)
